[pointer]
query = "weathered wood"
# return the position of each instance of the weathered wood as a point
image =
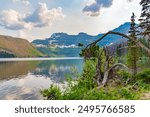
(99, 73)
(137, 42)
(106, 74)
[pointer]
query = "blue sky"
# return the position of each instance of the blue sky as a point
(32, 19)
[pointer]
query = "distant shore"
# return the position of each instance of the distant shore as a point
(36, 59)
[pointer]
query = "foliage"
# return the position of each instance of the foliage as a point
(144, 76)
(142, 52)
(145, 17)
(89, 71)
(52, 93)
(109, 94)
(133, 57)
(92, 51)
(124, 74)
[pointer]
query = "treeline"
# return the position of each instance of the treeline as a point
(6, 54)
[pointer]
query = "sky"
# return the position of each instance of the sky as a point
(38, 19)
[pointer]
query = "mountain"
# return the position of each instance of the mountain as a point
(63, 44)
(64, 40)
(16, 47)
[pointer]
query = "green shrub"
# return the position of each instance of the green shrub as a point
(90, 52)
(124, 74)
(89, 70)
(53, 93)
(144, 76)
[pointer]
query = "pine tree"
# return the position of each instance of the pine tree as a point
(145, 18)
(132, 57)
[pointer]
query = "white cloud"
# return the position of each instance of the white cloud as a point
(11, 19)
(23, 34)
(15, 1)
(25, 2)
(130, 0)
(41, 17)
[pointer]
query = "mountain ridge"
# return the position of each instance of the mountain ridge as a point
(62, 38)
(17, 47)
(63, 44)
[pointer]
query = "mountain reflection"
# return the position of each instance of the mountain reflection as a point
(9, 70)
(25, 79)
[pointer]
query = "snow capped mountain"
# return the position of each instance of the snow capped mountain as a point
(65, 40)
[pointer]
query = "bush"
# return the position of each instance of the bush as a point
(89, 70)
(123, 93)
(124, 74)
(144, 76)
(90, 52)
(53, 93)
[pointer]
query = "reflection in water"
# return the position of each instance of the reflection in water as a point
(10, 70)
(24, 80)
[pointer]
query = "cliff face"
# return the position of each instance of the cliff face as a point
(17, 47)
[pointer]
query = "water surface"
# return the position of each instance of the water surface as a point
(24, 78)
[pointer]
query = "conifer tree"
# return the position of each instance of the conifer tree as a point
(145, 18)
(132, 57)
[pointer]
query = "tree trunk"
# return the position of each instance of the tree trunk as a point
(106, 74)
(98, 75)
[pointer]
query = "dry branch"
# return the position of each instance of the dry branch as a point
(137, 42)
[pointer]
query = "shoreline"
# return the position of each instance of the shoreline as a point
(37, 59)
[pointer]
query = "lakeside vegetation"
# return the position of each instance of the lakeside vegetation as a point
(104, 77)
(85, 87)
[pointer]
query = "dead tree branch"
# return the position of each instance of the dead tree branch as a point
(137, 42)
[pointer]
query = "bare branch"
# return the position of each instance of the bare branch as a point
(137, 42)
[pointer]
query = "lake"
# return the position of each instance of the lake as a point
(23, 79)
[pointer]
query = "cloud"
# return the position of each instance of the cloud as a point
(11, 19)
(130, 0)
(23, 34)
(94, 8)
(25, 2)
(41, 17)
